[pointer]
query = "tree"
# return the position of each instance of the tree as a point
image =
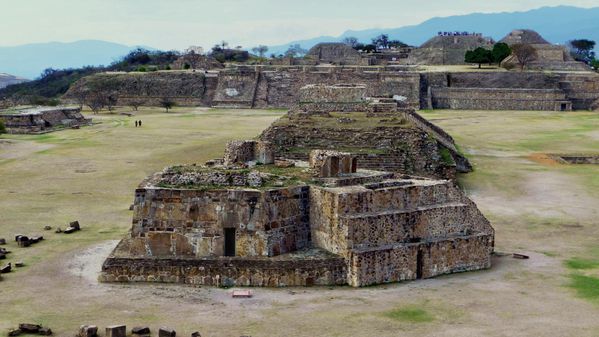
(192, 60)
(167, 103)
(224, 44)
(397, 44)
(381, 41)
(295, 50)
(595, 64)
(260, 50)
(135, 104)
(524, 54)
(96, 101)
(369, 48)
(111, 101)
(479, 55)
(351, 41)
(582, 50)
(501, 51)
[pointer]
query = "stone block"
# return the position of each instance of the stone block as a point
(6, 268)
(166, 332)
(140, 330)
(14, 332)
(196, 334)
(88, 331)
(116, 331)
(29, 327)
(328, 164)
(2, 241)
(75, 224)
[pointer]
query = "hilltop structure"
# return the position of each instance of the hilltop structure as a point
(448, 49)
(549, 56)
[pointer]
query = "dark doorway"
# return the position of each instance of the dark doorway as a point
(419, 264)
(229, 241)
(564, 107)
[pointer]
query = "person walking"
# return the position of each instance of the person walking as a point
(135, 123)
(140, 123)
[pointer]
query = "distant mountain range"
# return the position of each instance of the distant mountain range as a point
(30, 60)
(556, 24)
(6, 80)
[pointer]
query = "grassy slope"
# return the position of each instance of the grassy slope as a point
(90, 174)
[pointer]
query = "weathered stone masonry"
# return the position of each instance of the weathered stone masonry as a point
(346, 227)
(279, 87)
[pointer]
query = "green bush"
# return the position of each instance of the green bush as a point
(142, 69)
(2, 128)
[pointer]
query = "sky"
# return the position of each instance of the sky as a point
(177, 24)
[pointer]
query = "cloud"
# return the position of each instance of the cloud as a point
(177, 24)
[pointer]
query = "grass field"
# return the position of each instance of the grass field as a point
(538, 207)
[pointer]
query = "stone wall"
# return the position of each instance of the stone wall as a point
(406, 230)
(186, 88)
(280, 87)
(315, 269)
(500, 99)
(339, 93)
(266, 223)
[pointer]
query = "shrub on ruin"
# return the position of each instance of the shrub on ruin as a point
(142, 69)
(2, 128)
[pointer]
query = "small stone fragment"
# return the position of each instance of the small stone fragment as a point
(6, 268)
(2, 241)
(166, 332)
(196, 334)
(75, 224)
(70, 230)
(19, 264)
(14, 332)
(88, 331)
(58, 230)
(47, 227)
(131, 207)
(45, 332)
(141, 330)
(2, 256)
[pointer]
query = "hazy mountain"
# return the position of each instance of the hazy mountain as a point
(31, 59)
(6, 80)
(556, 24)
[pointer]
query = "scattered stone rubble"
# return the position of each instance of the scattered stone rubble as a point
(31, 329)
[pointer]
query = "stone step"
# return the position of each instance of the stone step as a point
(392, 212)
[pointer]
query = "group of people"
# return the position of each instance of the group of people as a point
(458, 34)
(138, 123)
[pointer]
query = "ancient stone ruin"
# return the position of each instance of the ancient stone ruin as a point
(244, 221)
(42, 120)
(385, 133)
(280, 87)
(549, 56)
